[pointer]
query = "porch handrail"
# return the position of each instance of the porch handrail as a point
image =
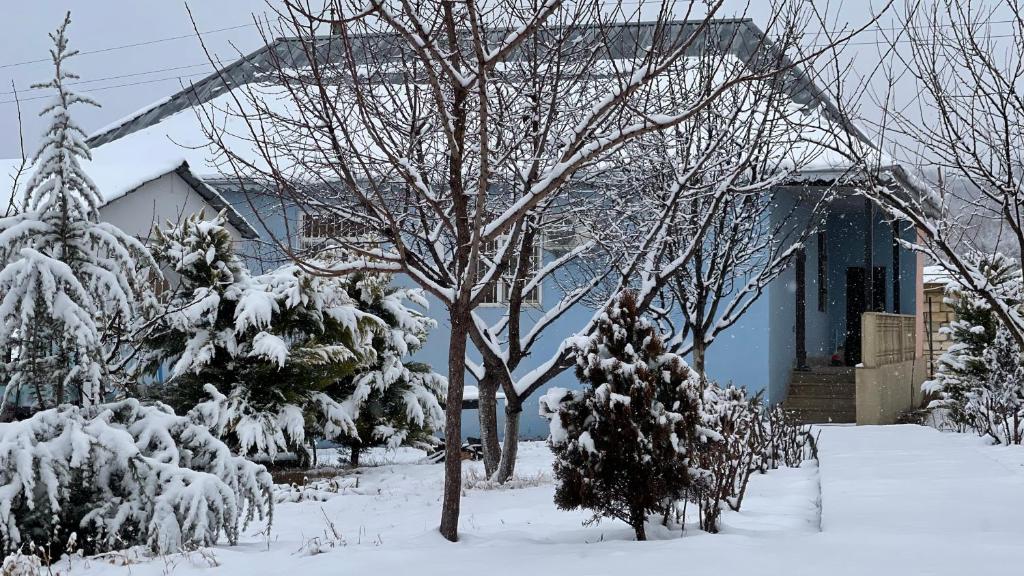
(887, 338)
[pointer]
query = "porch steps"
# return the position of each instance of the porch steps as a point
(823, 394)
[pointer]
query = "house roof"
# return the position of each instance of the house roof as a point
(738, 37)
(178, 125)
(116, 178)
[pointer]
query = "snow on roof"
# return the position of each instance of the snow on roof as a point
(184, 134)
(113, 175)
(936, 275)
(117, 175)
(177, 126)
(628, 40)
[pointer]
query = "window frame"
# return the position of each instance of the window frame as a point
(500, 286)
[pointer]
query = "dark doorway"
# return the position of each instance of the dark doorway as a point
(856, 296)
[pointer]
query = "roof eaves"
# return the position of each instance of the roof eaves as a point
(210, 194)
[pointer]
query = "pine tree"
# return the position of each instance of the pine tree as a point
(252, 356)
(963, 367)
(399, 401)
(995, 407)
(69, 284)
(623, 446)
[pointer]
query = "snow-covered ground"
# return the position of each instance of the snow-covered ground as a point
(885, 500)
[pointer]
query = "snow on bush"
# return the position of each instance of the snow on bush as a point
(627, 446)
(70, 285)
(649, 433)
(122, 474)
(19, 564)
(979, 379)
(995, 405)
(754, 438)
(251, 356)
(396, 401)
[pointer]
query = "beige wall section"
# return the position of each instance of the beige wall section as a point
(919, 296)
(890, 376)
(885, 392)
(937, 315)
(168, 197)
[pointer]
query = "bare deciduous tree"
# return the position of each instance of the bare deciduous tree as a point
(439, 140)
(963, 128)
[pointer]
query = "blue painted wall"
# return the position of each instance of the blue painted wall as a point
(792, 211)
(758, 352)
(846, 237)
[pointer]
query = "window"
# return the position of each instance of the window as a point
(317, 230)
(499, 290)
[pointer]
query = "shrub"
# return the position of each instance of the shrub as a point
(755, 438)
(624, 447)
(994, 406)
(116, 475)
(964, 367)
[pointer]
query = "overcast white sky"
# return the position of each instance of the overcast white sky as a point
(124, 80)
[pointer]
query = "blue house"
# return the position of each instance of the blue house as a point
(806, 325)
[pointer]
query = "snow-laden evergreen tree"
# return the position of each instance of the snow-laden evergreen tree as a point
(255, 357)
(399, 401)
(995, 407)
(69, 284)
(110, 476)
(625, 447)
(963, 367)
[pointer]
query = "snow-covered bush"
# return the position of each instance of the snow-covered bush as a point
(251, 356)
(19, 564)
(729, 463)
(754, 438)
(398, 401)
(70, 285)
(116, 475)
(963, 367)
(626, 446)
(995, 406)
(980, 379)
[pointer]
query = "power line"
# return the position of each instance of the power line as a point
(876, 42)
(132, 45)
(125, 85)
(118, 77)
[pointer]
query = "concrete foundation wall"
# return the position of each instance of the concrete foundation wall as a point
(884, 392)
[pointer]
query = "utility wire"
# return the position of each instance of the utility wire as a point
(876, 42)
(118, 77)
(102, 88)
(132, 45)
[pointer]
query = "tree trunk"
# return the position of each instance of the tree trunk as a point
(638, 526)
(507, 466)
(453, 424)
(488, 414)
(699, 350)
(353, 457)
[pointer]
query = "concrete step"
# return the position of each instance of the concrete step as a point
(823, 390)
(825, 417)
(820, 403)
(831, 375)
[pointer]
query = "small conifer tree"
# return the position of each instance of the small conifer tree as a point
(624, 446)
(70, 285)
(963, 367)
(995, 407)
(399, 400)
(252, 356)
